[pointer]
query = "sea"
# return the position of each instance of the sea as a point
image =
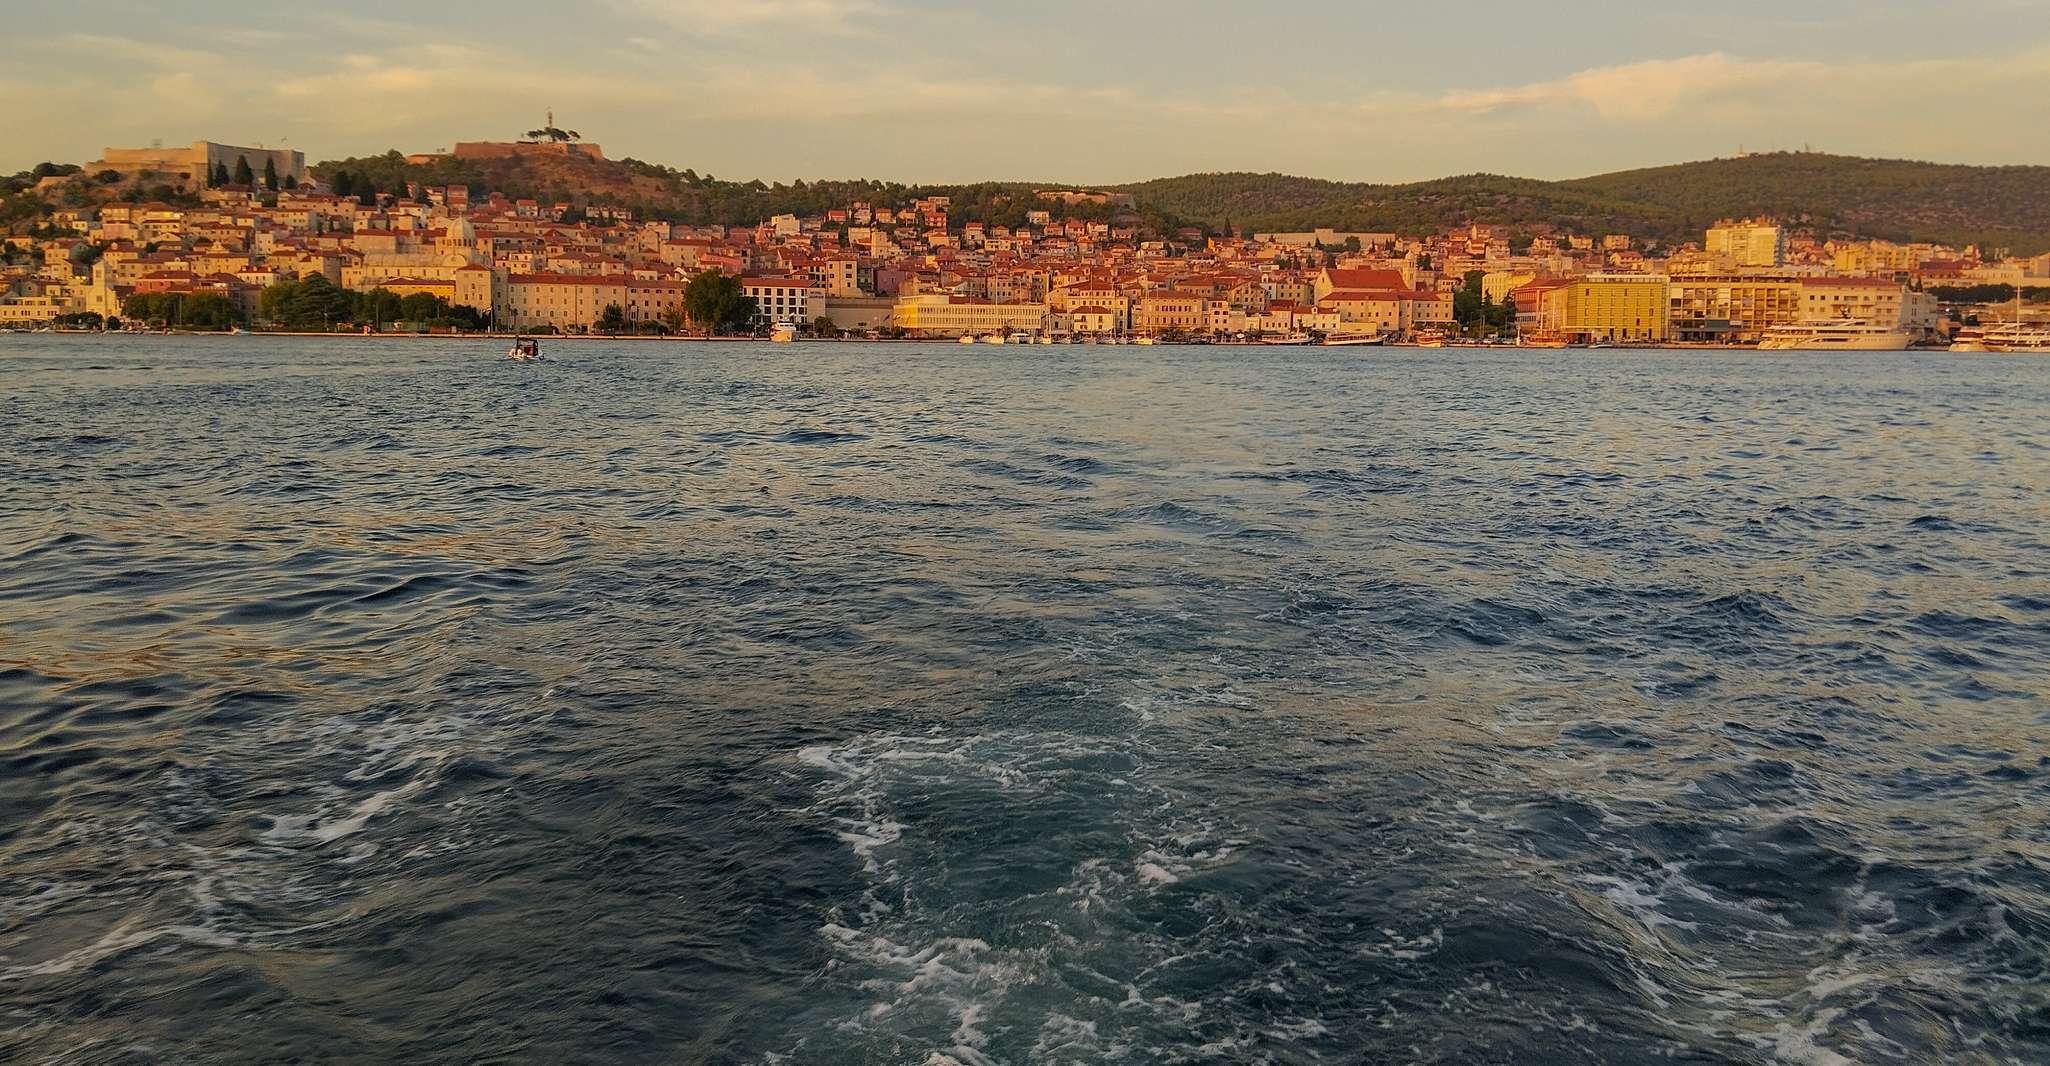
(390, 701)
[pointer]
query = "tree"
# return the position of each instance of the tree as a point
(423, 308)
(716, 303)
(162, 308)
(612, 319)
(344, 184)
(107, 177)
(673, 316)
(244, 175)
(313, 302)
(378, 306)
(1469, 303)
(270, 174)
(219, 176)
(211, 311)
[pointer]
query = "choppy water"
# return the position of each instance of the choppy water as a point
(999, 706)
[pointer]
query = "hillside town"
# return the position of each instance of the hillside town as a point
(250, 222)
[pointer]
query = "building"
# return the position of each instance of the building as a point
(1748, 245)
(1092, 319)
(945, 315)
(191, 166)
(1875, 300)
(793, 300)
(1378, 310)
(1333, 280)
(1617, 308)
(1732, 308)
(1169, 310)
(567, 302)
(861, 312)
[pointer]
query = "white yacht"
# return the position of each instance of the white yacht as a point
(1355, 340)
(1836, 335)
(1968, 340)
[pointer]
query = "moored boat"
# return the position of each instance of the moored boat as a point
(2018, 340)
(1355, 340)
(1845, 335)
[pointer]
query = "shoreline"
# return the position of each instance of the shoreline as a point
(586, 338)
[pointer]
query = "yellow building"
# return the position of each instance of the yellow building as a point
(409, 286)
(1617, 308)
(1875, 257)
(939, 314)
(31, 310)
(1498, 284)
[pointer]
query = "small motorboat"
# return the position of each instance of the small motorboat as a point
(524, 349)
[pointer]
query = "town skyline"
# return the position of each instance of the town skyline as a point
(214, 236)
(900, 91)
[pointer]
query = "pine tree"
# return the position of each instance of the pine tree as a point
(244, 175)
(344, 183)
(219, 176)
(270, 174)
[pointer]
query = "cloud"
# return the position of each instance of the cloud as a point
(734, 17)
(1722, 88)
(731, 86)
(106, 48)
(1652, 89)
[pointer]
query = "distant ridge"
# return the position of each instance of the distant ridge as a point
(1994, 207)
(1835, 195)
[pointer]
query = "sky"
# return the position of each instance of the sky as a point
(1075, 91)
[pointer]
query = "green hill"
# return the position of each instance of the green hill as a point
(1836, 195)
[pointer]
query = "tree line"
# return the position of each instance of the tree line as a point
(315, 303)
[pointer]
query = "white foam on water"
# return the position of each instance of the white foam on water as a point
(1296, 1029)
(1406, 949)
(1640, 899)
(125, 936)
(325, 826)
(1154, 874)
(915, 956)
(1800, 1046)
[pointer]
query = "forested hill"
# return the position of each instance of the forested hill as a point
(1995, 207)
(1835, 195)
(655, 191)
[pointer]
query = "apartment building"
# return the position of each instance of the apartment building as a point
(1723, 309)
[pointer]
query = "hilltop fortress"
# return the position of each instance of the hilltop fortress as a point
(190, 166)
